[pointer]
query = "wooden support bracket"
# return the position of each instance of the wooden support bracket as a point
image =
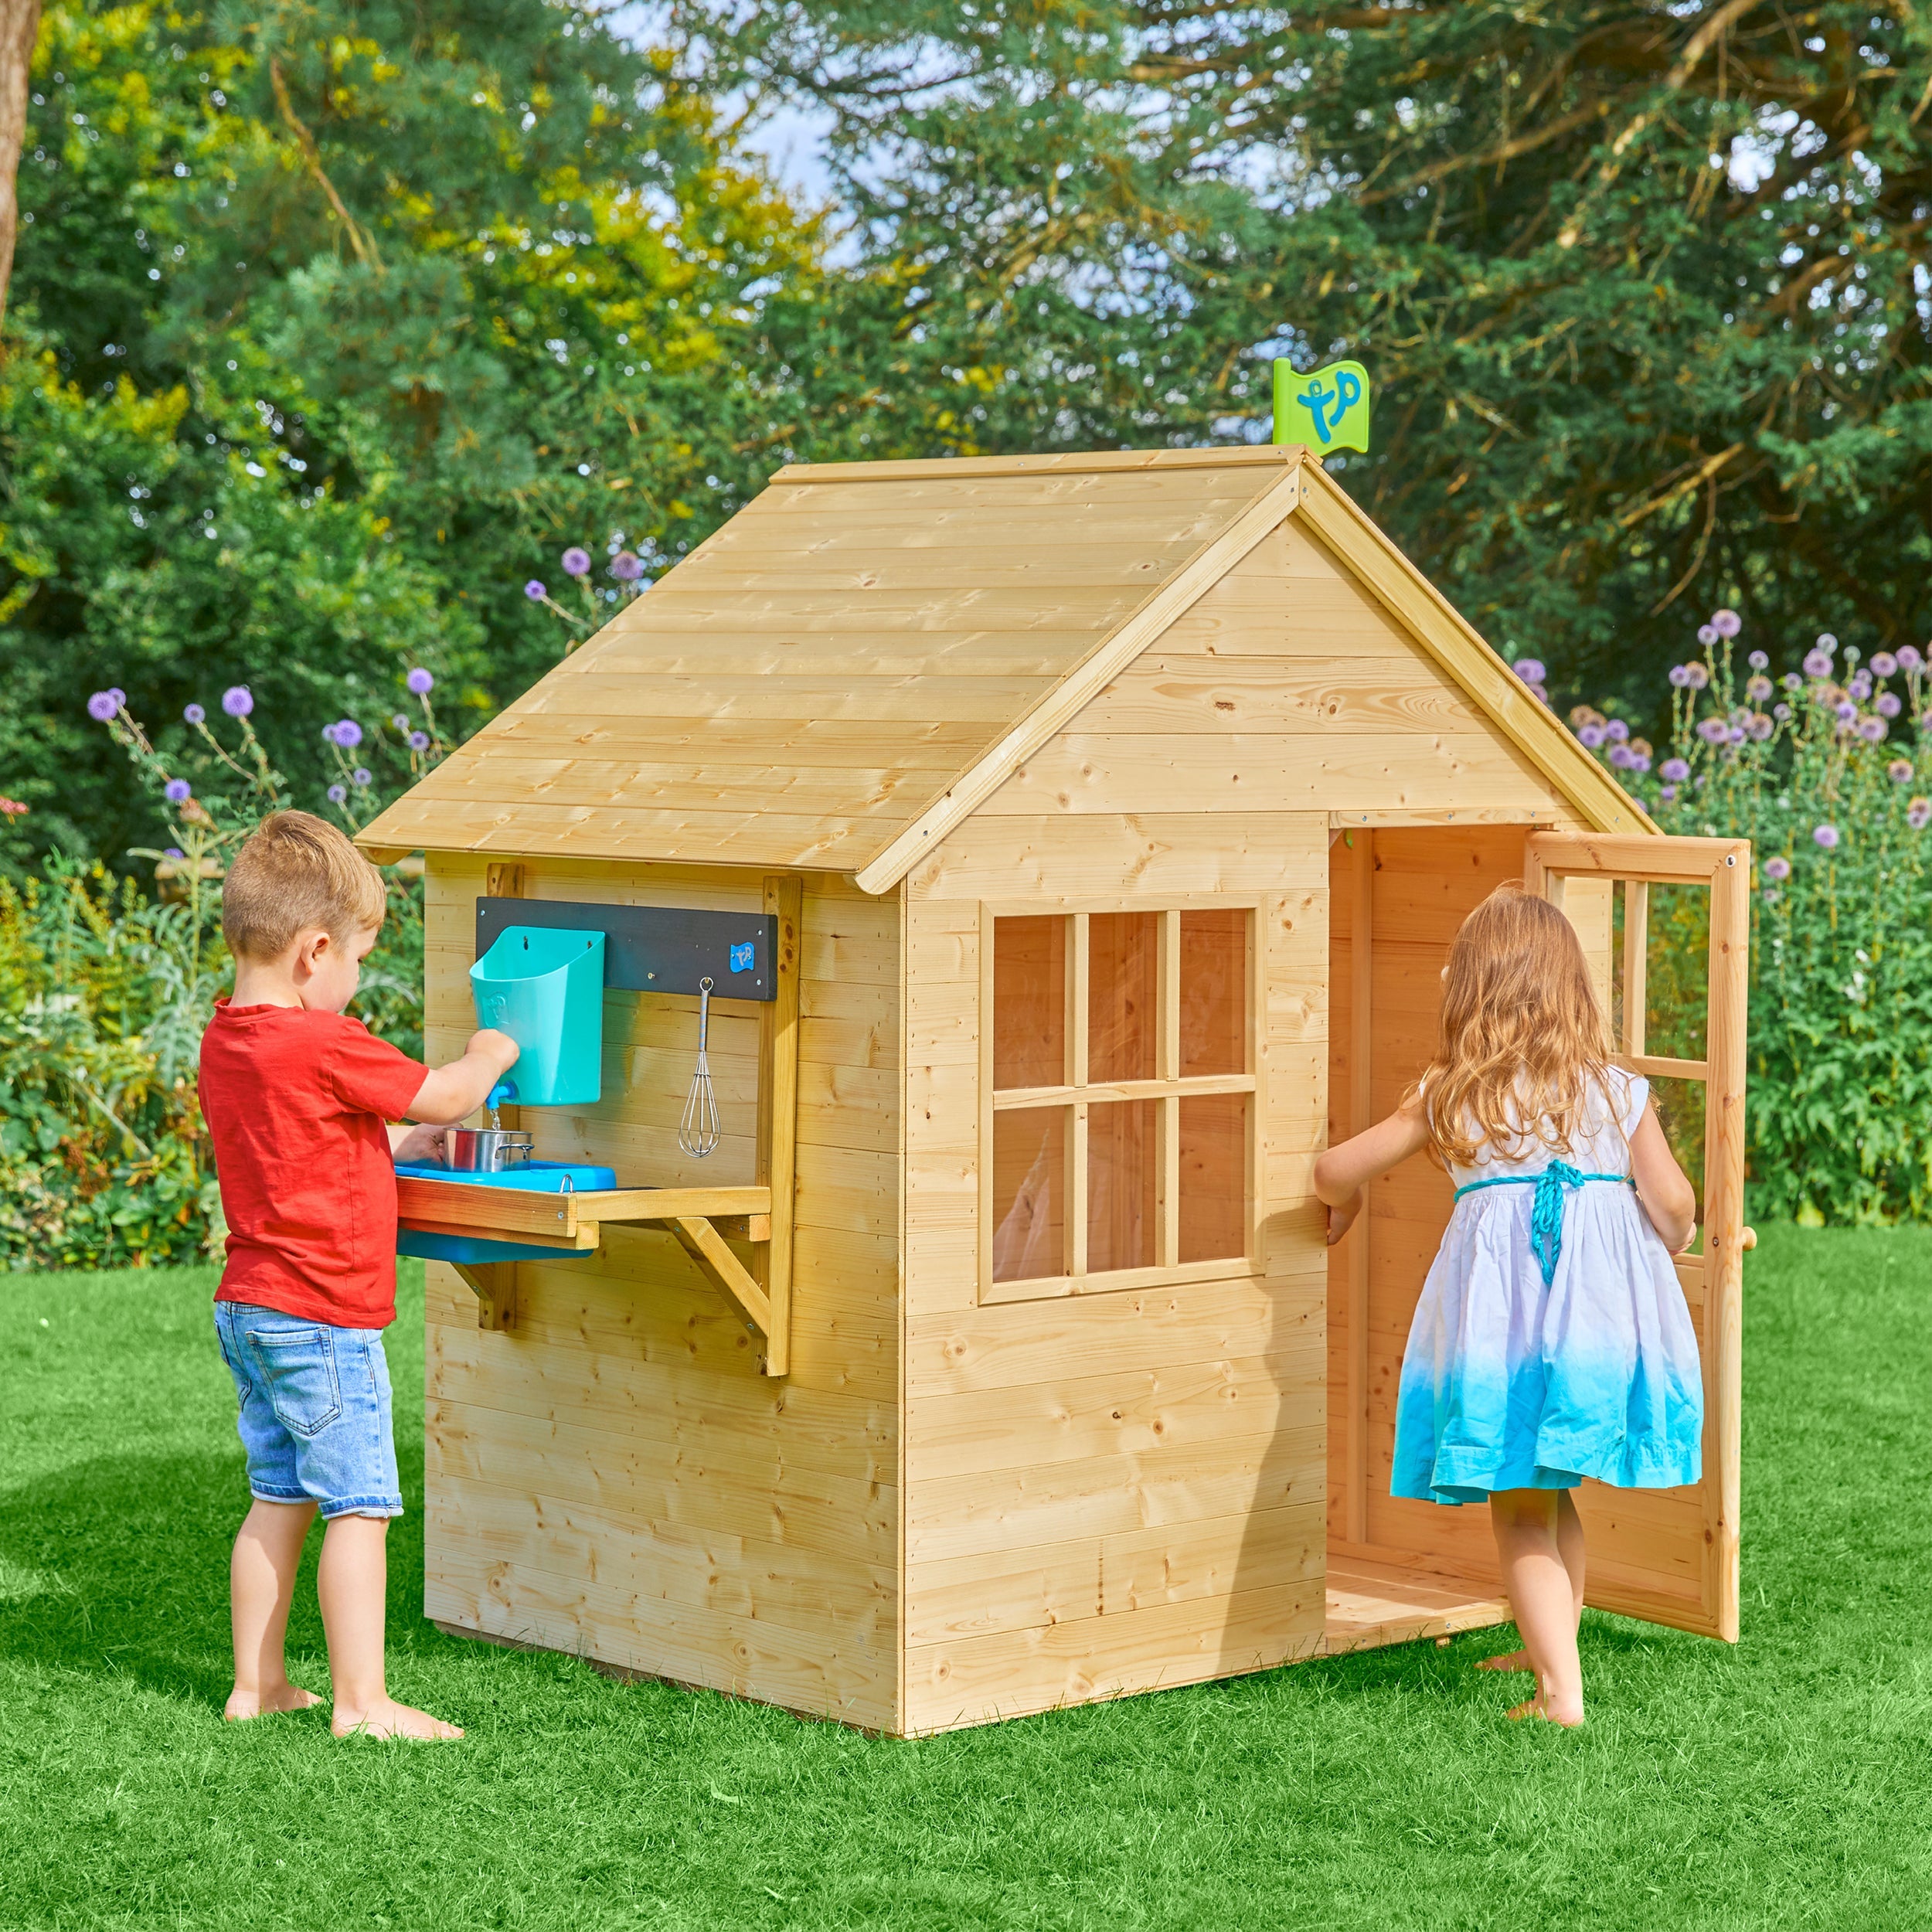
(494, 1284)
(705, 1246)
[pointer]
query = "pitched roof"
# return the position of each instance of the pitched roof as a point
(865, 651)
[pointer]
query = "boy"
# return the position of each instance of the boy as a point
(297, 1098)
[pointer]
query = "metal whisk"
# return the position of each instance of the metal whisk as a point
(698, 1131)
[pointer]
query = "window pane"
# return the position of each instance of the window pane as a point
(1214, 1167)
(1214, 988)
(1122, 1003)
(1029, 1003)
(1122, 1158)
(1029, 1190)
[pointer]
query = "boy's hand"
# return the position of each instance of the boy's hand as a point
(1343, 1218)
(420, 1146)
(489, 1044)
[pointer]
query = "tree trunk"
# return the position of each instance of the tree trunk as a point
(19, 24)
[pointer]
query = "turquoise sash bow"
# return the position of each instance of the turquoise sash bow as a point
(1546, 1210)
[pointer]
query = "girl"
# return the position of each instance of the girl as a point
(1552, 1341)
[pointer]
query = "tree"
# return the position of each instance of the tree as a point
(1644, 286)
(19, 24)
(335, 325)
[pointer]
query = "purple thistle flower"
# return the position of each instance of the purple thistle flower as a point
(1639, 761)
(1736, 734)
(349, 733)
(1780, 711)
(1758, 661)
(1675, 770)
(576, 562)
(1529, 669)
(1918, 814)
(1826, 836)
(1792, 682)
(1860, 687)
(1826, 643)
(1726, 623)
(176, 792)
(362, 775)
(1713, 731)
(1761, 727)
(401, 722)
(1900, 770)
(1871, 731)
(1680, 676)
(1817, 663)
(421, 682)
(626, 566)
(102, 706)
(1616, 731)
(193, 714)
(1706, 636)
(237, 701)
(535, 591)
(1888, 704)
(1779, 869)
(1883, 664)
(1700, 676)
(1619, 756)
(1757, 689)
(1908, 658)
(337, 794)
(419, 741)
(1844, 711)
(1590, 736)
(1668, 795)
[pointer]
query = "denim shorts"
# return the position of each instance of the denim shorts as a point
(315, 1411)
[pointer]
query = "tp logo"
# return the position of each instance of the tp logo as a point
(1327, 410)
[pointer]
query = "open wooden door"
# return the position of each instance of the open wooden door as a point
(1671, 1556)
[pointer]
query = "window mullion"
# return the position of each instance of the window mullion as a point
(1077, 1002)
(1077, 1192)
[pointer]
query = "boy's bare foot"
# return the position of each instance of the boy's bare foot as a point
(244, 1705)
(1510, 1660)
(1534, 1707)
(389, 1719)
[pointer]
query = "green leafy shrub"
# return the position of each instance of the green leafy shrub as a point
(1822, 768)
(106, 990)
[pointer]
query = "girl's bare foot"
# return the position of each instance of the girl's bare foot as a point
(244, 1705)
(1511, 1660)
(389, 1719)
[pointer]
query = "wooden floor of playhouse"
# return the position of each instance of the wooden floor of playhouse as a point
(1372, 1604)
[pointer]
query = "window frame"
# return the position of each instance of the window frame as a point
(1167, 1089)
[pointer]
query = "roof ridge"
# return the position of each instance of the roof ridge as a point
(1062, 463)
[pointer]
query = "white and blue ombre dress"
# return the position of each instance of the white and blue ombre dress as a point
(1552, 1341)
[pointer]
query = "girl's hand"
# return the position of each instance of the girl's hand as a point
(1343, 1218)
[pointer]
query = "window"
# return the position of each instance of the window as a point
(1119, 1099)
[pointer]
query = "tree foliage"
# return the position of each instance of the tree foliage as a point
(1645, 286)
(332, 324)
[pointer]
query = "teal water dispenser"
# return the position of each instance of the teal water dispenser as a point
(543, 985)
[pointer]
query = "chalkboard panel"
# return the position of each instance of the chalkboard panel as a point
(654, 949)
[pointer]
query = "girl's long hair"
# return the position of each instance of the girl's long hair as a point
(1524, 1040)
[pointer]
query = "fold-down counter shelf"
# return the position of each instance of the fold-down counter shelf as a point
(700, 1218)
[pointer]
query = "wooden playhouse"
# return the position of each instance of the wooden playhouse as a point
(1112, 813)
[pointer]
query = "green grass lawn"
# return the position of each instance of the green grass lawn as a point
(1786, 1781)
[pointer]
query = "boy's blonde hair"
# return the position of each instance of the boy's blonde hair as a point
(1523, 1041)
(296, 872)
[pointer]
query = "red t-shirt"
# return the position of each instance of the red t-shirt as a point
(295, 1103)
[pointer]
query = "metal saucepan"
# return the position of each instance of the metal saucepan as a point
(485, 1150)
